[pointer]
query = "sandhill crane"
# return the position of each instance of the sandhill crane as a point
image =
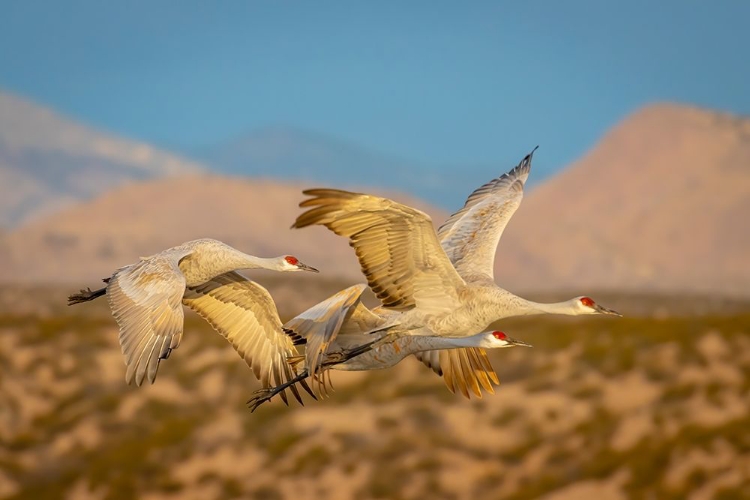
(146, 300)
(438, 289)
(342, 326)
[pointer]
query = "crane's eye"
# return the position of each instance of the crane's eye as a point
(587, 301)
(499, 335)
(292, 260)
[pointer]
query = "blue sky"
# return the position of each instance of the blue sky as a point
(442, 83)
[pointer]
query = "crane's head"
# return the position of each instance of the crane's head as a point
(291, 263)
(586, 305)
(494, 340)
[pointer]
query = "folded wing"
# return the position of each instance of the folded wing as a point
(320, 324)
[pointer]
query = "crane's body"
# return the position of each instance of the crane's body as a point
(341, 325)
(480, 307)
(391, 352)
(200, 260)
(437, 283)
(146, 300)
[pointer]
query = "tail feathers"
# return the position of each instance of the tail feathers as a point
(86, 295)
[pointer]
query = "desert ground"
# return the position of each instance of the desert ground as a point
(653, 405)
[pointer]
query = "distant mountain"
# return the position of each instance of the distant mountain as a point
(661, 203)
(302, 155)
(48, 161)
(88, 241)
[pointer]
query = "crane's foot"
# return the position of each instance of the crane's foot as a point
(266, 393)
(261, 396)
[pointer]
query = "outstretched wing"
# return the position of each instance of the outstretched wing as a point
(145, 301)
(470, 236)
(245, 314)
(396, 245)
(465, 369)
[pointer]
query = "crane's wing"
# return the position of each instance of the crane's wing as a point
(320, 324)
(470, 236)
(463, 369)
(396, 245)
(245, 314)
(145, 301)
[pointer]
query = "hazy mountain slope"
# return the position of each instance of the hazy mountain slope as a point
(90, 240)
(662, 202)
(303, 155)
(48, 161)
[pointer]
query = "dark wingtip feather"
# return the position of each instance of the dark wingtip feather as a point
(526, 162)
(306, 387)
(297, 339)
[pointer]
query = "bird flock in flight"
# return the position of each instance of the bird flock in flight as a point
(438, 297)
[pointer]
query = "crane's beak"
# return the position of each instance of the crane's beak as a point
(521, 343)
(305, 267)
(604, 310)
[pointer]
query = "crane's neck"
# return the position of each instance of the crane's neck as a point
(416, 343)
(518, 306)
(470, 341)
(245, 261)
(230, 259)
(205, 264)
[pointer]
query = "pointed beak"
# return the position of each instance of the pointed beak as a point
(305, 267)
(521, 343)
(604, 310)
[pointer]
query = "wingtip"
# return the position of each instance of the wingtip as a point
(529, 156)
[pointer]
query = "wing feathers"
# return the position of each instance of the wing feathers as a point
(145, 302)
(393, 242)
(244, 313)
(470, 236)
(465, 369)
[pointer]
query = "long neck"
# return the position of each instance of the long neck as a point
(471, 341)
(513, 305)
(229, 259)
(244, 261)
(431, 343)
(207, 263)
(529, 307)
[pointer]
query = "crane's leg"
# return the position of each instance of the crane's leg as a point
(263, 395)
(345, 355)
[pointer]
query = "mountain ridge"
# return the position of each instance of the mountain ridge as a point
(48, 161)
(654, 213)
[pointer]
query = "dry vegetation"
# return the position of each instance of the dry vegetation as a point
(639, 407)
